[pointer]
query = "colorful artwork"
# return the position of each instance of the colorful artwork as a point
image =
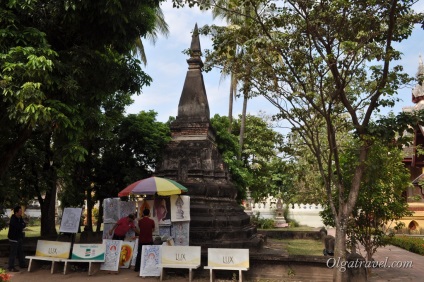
(125, 208)
(110, 210)
(180, 208)
(142, 205)
(150, 260)
(181, 232)
(71, 219)
(161, 210)
(127, 253)
(112, 256)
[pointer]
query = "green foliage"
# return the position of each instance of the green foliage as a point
(95, 213)
(412, 244)
(261, 168)
(380, 200)
(262, 223)
(67, 71)
(326, 80)
(293, 223)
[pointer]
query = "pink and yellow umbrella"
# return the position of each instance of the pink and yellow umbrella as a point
(154, 185)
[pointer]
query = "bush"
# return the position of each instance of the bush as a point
(412, 244)
(262, 223)
(293, 223)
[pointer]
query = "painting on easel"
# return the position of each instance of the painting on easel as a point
(71, 219)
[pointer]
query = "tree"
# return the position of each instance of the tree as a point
(327, 72)
(381, 202)
(160, 26)
(233, 13)
(60, 62)
(260, 168)
(129, 154)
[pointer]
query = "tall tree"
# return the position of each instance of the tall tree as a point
(338, 61)
(260, 168)
(381, 203)
(234, 13)
(60, 62)
(160, 26)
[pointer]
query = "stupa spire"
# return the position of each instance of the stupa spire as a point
(193, 105)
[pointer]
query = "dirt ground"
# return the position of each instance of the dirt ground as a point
(74, 274)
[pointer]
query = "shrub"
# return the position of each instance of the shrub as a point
(412, 244)
(293, 223)
(262, 223)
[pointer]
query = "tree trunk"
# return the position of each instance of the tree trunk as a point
(243, 124)
(48, 212)
(233, 86)
(340, 253)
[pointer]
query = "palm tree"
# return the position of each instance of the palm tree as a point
(230, 11)
(160, 26)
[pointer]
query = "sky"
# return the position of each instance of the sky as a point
(167, 66)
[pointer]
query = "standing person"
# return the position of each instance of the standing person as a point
(122, 227)
(16, 235)
(146, 226)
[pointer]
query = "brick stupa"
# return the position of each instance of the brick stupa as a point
(192, 159)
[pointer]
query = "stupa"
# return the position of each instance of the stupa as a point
(192, 159)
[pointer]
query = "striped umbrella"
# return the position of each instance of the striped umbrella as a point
(154, 185)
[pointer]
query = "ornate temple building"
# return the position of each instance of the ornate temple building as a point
(192, 159)
(414, 161)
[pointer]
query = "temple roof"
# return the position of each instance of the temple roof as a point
(193, 105)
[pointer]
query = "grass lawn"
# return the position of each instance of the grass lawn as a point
(304, 247)
(31, 231)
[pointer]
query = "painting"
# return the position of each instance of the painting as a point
(180, 208)
(162, 210)
(142, 205)
(112, 255)
(127, 253)
(180, 233)
(150, 260)
(110, 210)
(71, 219)
(125, 208)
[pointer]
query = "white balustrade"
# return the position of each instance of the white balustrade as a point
(303, 213)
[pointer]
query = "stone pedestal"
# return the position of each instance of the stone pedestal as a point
(280, 221)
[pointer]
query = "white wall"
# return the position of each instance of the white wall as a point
(304, 214)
